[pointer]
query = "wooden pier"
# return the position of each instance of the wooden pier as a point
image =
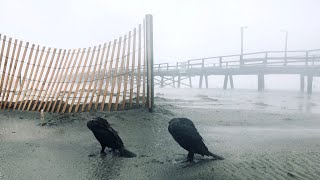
(303, 63)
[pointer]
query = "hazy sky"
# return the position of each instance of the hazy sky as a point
(182, 29)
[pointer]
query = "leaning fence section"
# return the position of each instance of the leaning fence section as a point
(109, 76)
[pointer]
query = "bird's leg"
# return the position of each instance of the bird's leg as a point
(102, 149)
(190, 156)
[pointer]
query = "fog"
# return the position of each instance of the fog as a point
(182, 29)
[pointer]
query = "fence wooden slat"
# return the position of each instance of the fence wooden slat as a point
(51, 83)
(44, 80)
(139, 68)
(34, 89)
(144, 66)
(1, 54)
(115, 74)
(63, 83)
(74, 79)
(95, 85)
(126, 74)
(68, 78)
(122, 73)
(86, 59)
(43, 93)
(19, 72)
(28, 80)
(13, 74)
(7, 81)
(57, 79)
(91, 81)
(132, 66)
(34, 80)
(109, 75)
(4, 68)
(80, 78)
(86, 79)
(24, 78)
(102, 76)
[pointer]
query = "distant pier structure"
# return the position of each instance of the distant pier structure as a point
(306, 64)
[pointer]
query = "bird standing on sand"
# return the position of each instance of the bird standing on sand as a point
(187, 136)
(108, 137)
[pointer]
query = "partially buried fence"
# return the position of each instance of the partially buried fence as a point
(113, 76)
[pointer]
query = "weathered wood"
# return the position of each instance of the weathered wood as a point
(85, 80)
(12, 76)
(122, 72)
(102, 76)
(109, 75)
(73, 80)
(91, 81)
(139, 68)
(132, 66)
(90, 84)
(225, 82)
(19, 72)
(149, 46)
(25, 95)
(54, 76)
(67, 81)
(97, 80)
(260, 82)
(144, 73)
(34, 91)
(301, 82)
(7, 85)
(207, 83)
(25, 75)
(126, 74)
(4, 69)
(231, 81)
(57, 81)
(309, 85)
(81, 76)
(62, 79)
(200, 81)
(44, 80)
(115, 74)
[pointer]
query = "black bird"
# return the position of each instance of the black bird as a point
(108, 137)
(188, 137)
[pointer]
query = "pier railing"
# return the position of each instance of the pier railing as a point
(267, 59)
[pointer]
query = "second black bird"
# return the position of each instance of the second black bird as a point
(188, 137)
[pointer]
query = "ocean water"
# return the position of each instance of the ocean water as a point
(269, 100)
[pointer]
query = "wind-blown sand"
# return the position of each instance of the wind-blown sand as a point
(255, 144)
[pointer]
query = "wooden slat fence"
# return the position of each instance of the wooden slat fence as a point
(112, 76)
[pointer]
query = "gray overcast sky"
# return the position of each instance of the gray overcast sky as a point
(182, 29)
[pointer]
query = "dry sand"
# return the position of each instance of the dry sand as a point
(255, 144)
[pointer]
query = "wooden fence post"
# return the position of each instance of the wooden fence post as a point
(149, 51)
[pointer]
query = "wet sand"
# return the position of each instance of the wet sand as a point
(256, 145)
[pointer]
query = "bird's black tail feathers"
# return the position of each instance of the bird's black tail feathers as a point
(215, 156)
(126, 153)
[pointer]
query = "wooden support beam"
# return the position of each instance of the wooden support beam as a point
(225, 82)
(301, 82)
(206, 79)
(161, 81)
(260, 82)
(309, 85)
(231, 81)
(173, 81)
(190, 82)
(200, 81)
(179, 81)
